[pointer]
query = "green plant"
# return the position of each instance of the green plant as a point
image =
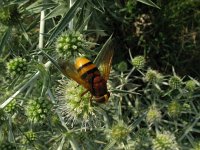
(147, 109)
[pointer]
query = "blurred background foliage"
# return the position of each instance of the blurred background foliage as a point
(154, 81)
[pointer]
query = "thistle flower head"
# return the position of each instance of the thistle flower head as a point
(165, 141)
(175, 82)
(38, 109)
(11, 107)
(70, 43)
(119, 132)
(122, 66)
(191, 85)
(17, 66)
(138, 62)
(29, 137)
(76, 108)
(153, 115)
(174, 109)
(153, 76)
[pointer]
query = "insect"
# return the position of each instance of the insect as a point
(92, 76)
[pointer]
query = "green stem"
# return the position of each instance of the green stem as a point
(71, 22)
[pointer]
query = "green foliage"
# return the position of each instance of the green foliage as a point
(150, 106)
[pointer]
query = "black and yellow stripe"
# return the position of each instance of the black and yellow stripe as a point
(84, 66)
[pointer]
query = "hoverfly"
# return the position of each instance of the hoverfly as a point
(92, 76)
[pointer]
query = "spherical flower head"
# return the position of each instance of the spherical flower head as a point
(11, 107)
(119, 132)
(175, 82)
(75, 107)
(38, 109)
(153, 115)
(17, 66)
(70, 43)
(165, 141)
(122, 66)
(138, 62)
(174, 109)
(29, 137)
(191, 85)
(7, 146)
(153, 76)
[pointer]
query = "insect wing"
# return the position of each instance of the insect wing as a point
(69, 70)
(104, 59)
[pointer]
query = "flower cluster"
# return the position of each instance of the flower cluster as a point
(165, 141)
(75, 107)
(69, 43)
(119, 132)
(175, 82)
(38, 109)
(190, 85)
(122, 66)
(11, 107)
(174, 109)
(29, 137)
(17, 66)
(138, 62)
(153, 76)
(153, 115)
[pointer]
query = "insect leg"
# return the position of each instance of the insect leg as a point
(82, 94)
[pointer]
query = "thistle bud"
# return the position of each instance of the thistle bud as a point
(17, 66)
(153, 115)
(138, 62)
(174, 109)
(38, 109)
(69, 43)
(175, 82)
(119, 132)
(153, 76)
(122, 66)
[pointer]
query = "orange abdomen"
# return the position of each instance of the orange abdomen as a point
(90, 73)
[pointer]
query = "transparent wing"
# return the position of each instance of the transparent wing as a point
(104, 58)
(69, 70)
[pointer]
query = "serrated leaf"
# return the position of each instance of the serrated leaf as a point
(65, 20)
(149, 2)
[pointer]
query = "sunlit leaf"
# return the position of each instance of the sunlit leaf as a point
(149, 2)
